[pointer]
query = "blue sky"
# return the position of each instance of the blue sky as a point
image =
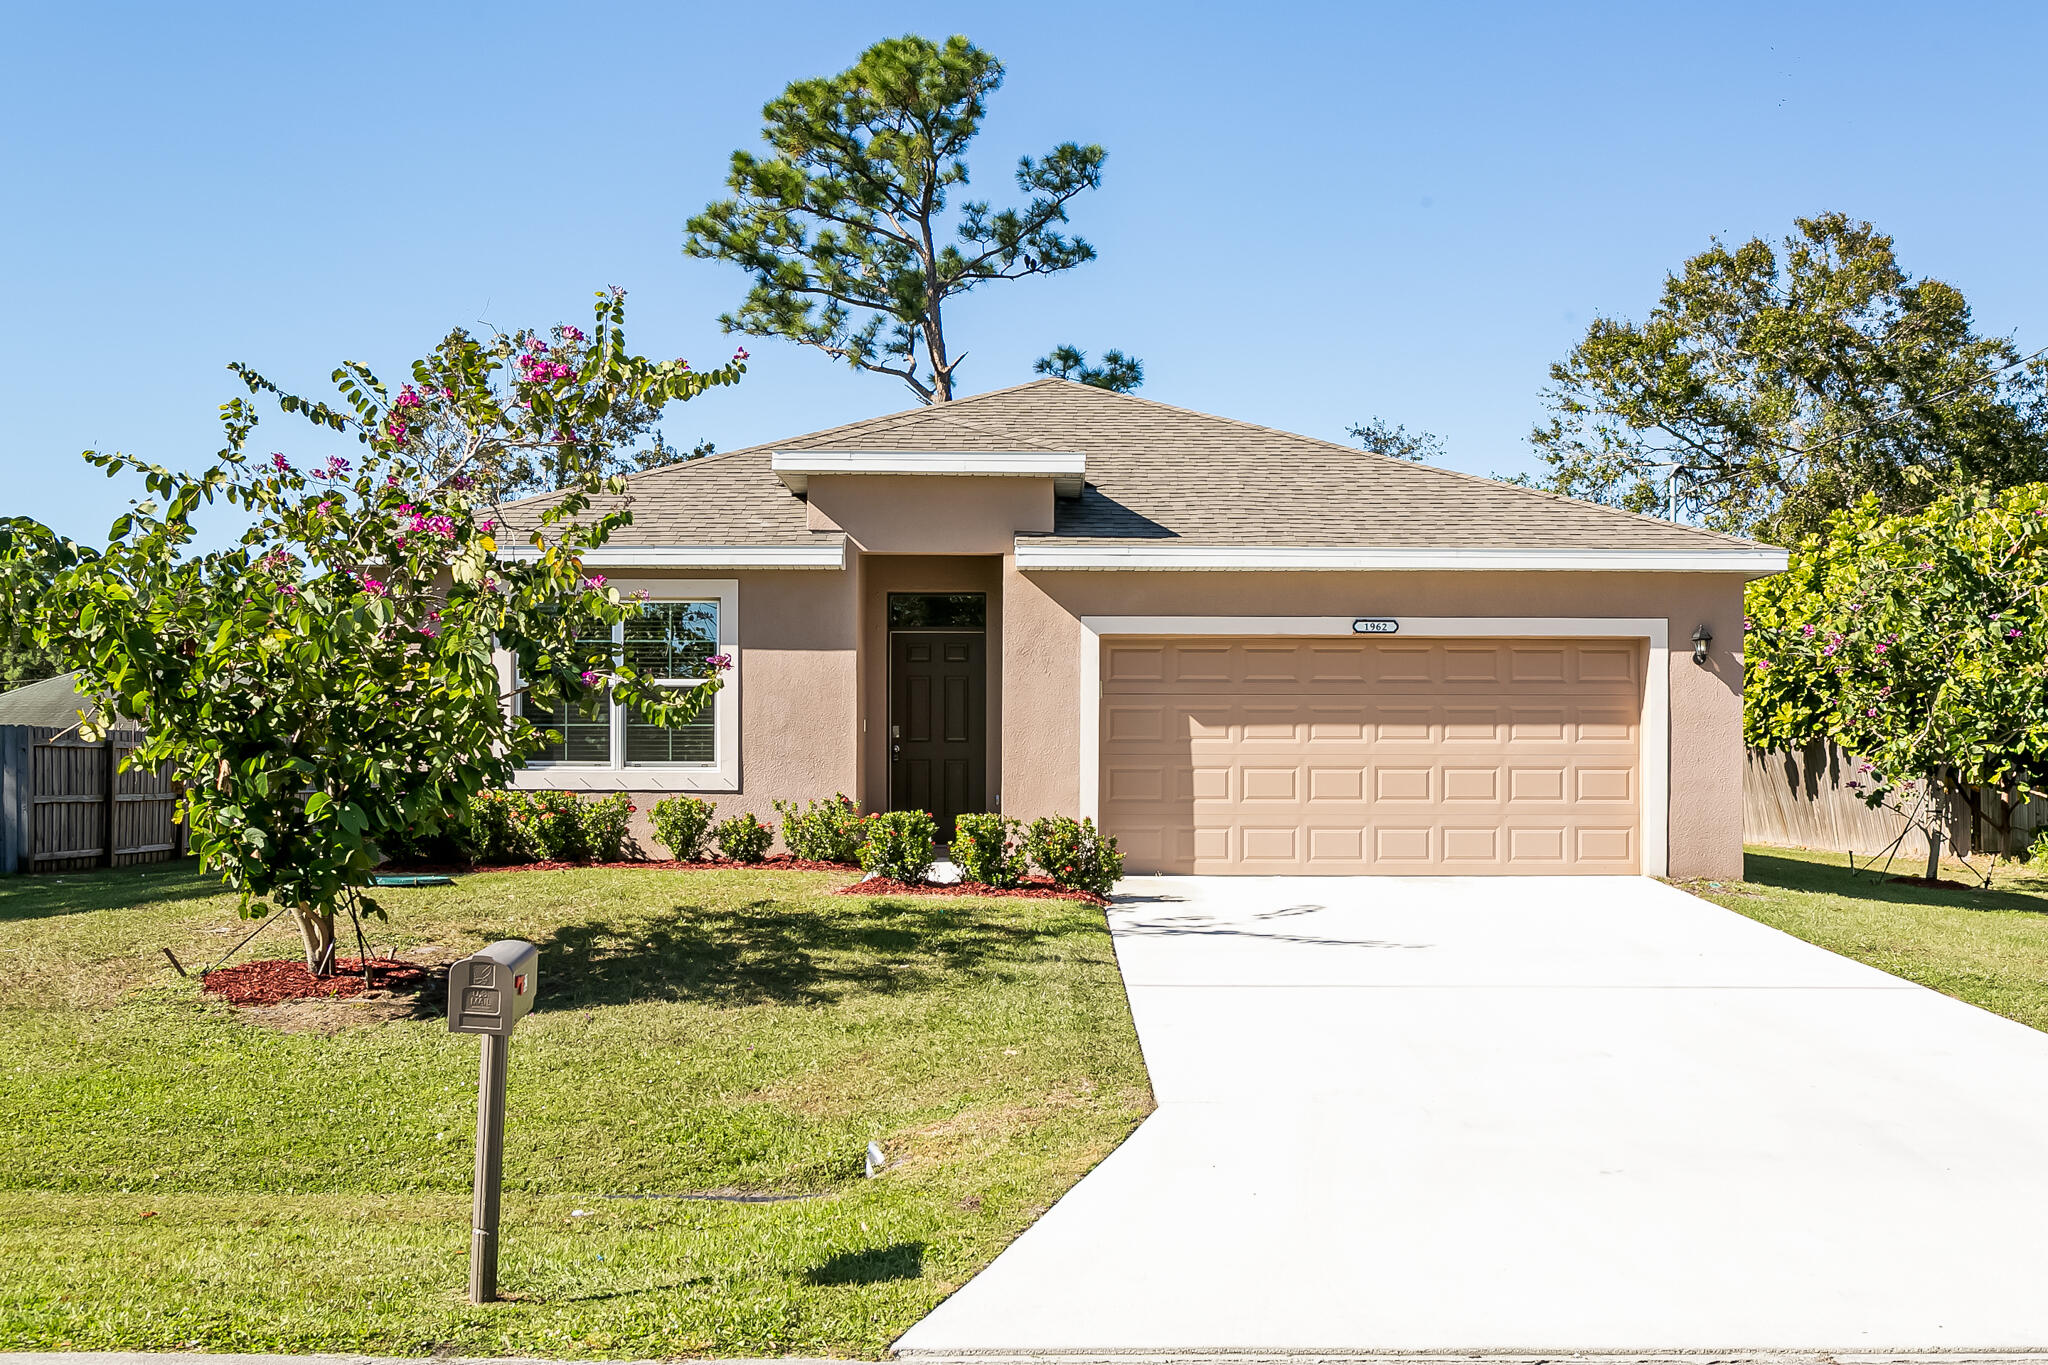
(1312, 214)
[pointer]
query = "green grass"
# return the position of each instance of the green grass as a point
(1988, 947)
(175, 1173)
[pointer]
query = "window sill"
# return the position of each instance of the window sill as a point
(603, 778)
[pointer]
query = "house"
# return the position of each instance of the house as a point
(1238, 649)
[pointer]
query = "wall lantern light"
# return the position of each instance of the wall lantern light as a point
(1701, 638)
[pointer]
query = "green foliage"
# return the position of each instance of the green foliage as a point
(22, 661)
(743, 838)
(1917, 642)
(845, 229)
(1786, 384)
(989, 849)
(898, 845)
(1118, 372)
(605, 820)
(1074, 853)
(1382, 437)
(2037, 851)
(491, 835)
(550, 824)
(680, 824)
(823, 831)
(328, 682)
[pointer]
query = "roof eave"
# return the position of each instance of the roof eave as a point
(1752, 562)
(1068, 469)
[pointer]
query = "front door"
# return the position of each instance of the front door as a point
(938, 708)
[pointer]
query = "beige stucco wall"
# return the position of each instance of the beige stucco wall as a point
(907, 514)
(1041, 741)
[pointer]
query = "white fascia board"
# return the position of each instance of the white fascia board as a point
(831, 556)
(1764, 560)
(1066, 468)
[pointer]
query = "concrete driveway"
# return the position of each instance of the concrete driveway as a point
(1532, 1115)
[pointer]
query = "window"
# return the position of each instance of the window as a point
(667, 642)
(937, 610)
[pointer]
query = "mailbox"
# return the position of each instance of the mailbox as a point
(490, 991)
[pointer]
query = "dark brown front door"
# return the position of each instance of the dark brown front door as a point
(938, 708)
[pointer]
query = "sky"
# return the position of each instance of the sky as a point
(1311, 215)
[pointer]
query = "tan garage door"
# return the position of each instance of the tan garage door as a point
(1372, 755)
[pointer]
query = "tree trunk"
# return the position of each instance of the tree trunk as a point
(1934, 848)
(316, 932)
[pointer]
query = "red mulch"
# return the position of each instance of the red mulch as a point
(1034, 888)
(1936, 884)
(781, 862)
(271, 981)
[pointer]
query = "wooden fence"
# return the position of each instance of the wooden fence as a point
(67, 805)
(1804, 800)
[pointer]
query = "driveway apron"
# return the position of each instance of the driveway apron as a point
(1532, 1114)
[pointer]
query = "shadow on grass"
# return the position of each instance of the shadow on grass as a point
(49, 894)
(876, 1265)
(781, 952)
(1798, 874)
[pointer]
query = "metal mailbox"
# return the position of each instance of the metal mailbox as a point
(490, 991)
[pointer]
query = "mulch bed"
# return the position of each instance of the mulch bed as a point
(781, 862)
(1034, 888)
(271, 981)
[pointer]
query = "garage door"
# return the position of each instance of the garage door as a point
(1372, 755)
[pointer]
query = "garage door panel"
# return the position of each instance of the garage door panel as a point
(1372, 756)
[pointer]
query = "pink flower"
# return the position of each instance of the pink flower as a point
(408, 397)
(1870, 710)
(373, 586)
(594, 581)
(283, 465)
(391, 481)
(1806, 630)
(589, 678)
(459, 481)
(740, 353)
(572, 334)
(718, 663)
(288, 589)
(2013, 634)
(397, 430)
(487, 526)
(1882, 648)
(1925, 565)
(334, 468)
(326, 506)
(430, 630)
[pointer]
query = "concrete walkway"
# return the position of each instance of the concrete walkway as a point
(1532, 1115)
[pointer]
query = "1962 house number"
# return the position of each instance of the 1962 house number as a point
(1368, 625)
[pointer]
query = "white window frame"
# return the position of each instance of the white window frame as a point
(1654, 730)
(723, 774)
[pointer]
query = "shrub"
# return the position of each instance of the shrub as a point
(553, 825)
(680, 823)
(743, 838)
(988, 849)
(605, 822)
(2037, 852)
(1074, 854)
(823, 831)
(493, 833)
(898, 845)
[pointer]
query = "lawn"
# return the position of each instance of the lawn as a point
(1988, 947)
(175, 1173)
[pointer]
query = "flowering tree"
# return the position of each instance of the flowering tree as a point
(329, 681)
(1918, 642)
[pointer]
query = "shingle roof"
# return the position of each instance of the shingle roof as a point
(1156, 474)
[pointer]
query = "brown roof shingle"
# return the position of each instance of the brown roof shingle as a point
(1157, 474)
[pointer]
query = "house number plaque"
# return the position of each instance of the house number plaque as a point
(1374, 625)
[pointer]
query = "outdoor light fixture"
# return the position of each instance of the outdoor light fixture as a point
(1701, 638)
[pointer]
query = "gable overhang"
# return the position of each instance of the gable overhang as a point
(1068, 469)
(830, 555)
(1751, 562)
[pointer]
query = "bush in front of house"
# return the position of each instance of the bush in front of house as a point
(552, 822)
(492, 833)
(823, 831)
(898, 845)
(1074, 853)
(605, 820)
(680, 824)
(989, 849)
(743, 838)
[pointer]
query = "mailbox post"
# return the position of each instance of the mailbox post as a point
(489, 992)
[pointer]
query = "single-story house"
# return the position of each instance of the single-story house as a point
(1237, 649)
